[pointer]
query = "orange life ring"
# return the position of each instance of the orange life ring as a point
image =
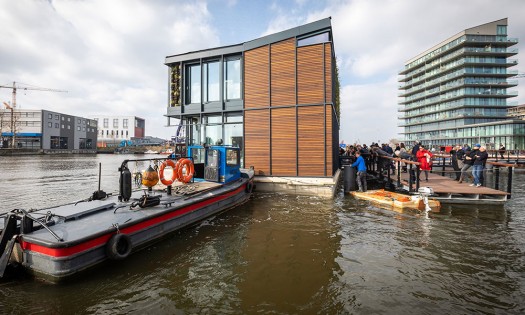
(190, 170)
(168, 181)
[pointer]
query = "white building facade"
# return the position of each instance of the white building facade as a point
(112, 130)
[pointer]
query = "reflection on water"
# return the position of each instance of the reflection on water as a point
(284, 254)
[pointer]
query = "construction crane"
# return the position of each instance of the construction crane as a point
(15, 87)
(12, 107)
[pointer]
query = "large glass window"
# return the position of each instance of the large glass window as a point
(315, 39)
(233, 131)
(232, 79)
(213, 130)
(211, 82)
(194, 131)
(193, 84)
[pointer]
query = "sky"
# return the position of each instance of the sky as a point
(109, 54)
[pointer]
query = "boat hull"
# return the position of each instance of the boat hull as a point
(56, 260)
(396, 201)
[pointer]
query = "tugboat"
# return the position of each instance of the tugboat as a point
(58, 242)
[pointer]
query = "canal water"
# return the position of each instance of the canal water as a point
(282, 254)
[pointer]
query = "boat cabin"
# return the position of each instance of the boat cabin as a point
(216, 163)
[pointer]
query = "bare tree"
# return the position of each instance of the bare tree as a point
(3, 124)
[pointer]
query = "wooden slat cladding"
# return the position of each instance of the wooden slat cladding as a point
(256, 78)
(257, 140)
(283, 73)
(311, 134)
(310, 74)
(328, 72)
(284, 145)
(329, 140)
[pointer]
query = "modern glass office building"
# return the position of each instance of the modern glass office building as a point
(458, 91)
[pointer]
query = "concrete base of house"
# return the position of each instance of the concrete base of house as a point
(311, 186)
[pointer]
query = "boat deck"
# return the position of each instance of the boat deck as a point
(86, 219)
(448, 190)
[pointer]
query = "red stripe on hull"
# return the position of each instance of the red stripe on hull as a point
(68, 251)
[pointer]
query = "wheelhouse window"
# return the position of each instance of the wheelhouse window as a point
(232, 78)
(211, 81)
(193, 84)
(232, 157)
(198, 155)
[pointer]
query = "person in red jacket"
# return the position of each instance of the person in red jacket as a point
(424, 157)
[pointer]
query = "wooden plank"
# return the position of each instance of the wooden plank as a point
(257, 78)
(441, 184)
(310, 74)
(311, 141)
(283, 73)
(284, 146)
(257, 140)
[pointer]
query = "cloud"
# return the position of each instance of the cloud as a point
(373, 120)
(108, 55)
(374, 38)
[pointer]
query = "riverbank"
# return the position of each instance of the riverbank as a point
(16, 152)
(108, 150)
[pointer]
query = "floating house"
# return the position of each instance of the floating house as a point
(274, 97)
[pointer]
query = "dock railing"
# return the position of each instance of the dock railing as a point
(383, 165)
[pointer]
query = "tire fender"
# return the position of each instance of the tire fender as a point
(119, 246)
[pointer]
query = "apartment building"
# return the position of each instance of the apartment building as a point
(459, 91)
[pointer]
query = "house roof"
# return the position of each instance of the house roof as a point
(265, 40)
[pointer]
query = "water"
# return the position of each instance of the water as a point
(283, 254)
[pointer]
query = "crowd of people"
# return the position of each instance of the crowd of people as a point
(468, 163)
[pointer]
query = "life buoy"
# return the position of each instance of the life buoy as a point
(168, 181)
(185, 170)
(118, 247)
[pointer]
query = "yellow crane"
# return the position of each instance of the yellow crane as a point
(12, 107)
(27, 87)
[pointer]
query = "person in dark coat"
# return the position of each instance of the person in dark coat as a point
(454, 162)
(480, 158)
(468, 162)
(502, 150)
(415, 148)
(460, 155)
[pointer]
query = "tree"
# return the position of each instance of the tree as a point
(3, 124)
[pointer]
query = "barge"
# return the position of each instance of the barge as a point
(59, 242)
